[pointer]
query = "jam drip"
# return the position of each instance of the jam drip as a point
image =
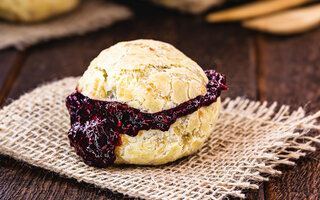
(96, 125)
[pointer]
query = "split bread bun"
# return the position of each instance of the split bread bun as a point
(152, 76)
(34, 10)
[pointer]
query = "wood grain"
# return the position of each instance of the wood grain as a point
(22, 181)
(289, 69)
(10, 64)
(289, 74)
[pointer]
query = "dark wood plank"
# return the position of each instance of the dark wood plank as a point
(10, 63)
(205, 43)
(22, 181)
(289, 73)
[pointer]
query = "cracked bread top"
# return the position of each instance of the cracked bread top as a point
(145, 74)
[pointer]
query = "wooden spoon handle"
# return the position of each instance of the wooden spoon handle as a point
(253, 10)
(287, 22)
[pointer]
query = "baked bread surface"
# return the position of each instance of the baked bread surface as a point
(145, 74)
(34, 10)
(152, 76)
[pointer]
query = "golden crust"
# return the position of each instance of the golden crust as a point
(185, 137)
(34, 10)
(145, 74)
(152, 76)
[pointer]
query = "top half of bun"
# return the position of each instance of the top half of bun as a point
(145, 74)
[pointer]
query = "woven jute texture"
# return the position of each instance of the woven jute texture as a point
(249, 141)
(90, 15)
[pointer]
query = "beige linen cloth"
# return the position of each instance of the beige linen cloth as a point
(89, 16)
(249, 141)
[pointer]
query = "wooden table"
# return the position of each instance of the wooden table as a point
(258, 66)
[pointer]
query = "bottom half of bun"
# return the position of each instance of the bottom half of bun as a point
(156, 147)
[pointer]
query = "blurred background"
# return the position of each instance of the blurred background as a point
(269, 51)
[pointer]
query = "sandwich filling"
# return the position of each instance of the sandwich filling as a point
(96, 125)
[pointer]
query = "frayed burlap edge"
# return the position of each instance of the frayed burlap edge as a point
(90, 15)
(249, 141)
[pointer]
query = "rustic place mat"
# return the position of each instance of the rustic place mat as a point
(250, 139)
(90, 15)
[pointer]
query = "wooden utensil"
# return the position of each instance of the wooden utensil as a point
(287, 22)
(253, 10)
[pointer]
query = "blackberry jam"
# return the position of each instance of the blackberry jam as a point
(96, 125)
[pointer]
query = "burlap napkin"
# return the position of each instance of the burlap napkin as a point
(90, 15)
(250, 139)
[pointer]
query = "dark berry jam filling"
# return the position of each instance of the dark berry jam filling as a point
(96, 125)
